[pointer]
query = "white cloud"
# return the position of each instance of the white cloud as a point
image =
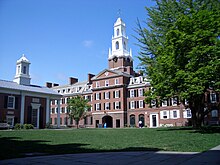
(88, 43)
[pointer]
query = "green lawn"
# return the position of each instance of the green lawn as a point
(22, 142)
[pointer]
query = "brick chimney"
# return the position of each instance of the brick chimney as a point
(90, 76)
(73, 80)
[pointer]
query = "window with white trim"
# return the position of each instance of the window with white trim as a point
(117, 95)
(117, 105)
(97, 84)
(164, 103)
(97, 96)
(98, 106)
(107, 106)
(141, 104)
(187, 113)
(117, 81)
(164, 114)
(153, 103)
(132, 93)
(214, 113)
(107, 95)
(132, 104)
(106, 83)
(213, 97)
(174, 114)
(140, 92)
(11, 102)
(174, 101)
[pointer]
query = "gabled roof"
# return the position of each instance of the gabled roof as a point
(117, 73)
(28, 88)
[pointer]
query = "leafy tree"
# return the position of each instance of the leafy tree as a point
(180, 51)
(77, 106)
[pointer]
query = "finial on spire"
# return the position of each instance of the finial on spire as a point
(119, 12)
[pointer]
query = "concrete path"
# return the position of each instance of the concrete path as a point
(211, 157)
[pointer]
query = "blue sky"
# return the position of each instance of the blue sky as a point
(63, 38)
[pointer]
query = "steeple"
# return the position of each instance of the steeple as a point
(120, 57)
(22, 71)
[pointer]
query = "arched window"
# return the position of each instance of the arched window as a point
(24, 70)
(141, 118)
(125, 46)
(132, 120)
(117, 32)
(117, 45)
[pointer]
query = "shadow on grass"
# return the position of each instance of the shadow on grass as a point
(203, 130)
(16, 148)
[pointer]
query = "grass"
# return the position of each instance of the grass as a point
(20, 143)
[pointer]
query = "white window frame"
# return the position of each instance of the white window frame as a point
(132, 105)
(214, 113)
(11, 118)
(141, 104)
(172, 114)
(164, 113)
(117, 94)
(107, 106)
(117, 105)
(97, 106)
(213, 98)
(97, 96)
(107, 94)
(140, 92)
(174, 101)
(132, 93)
(97, 84)
(11, 102)
(164, 103)
(153, 103)
(117, 81)
(106, 83)
(187, 113)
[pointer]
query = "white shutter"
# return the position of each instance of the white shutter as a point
(184, 114)
(171, 114)
(161, 114)
(178, 114)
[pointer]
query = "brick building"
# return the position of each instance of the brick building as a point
(116, 95)
(21, 102)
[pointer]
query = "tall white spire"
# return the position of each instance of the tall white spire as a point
(119, 41)
(22, 71)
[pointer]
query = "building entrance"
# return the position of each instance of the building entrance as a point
(108, 120)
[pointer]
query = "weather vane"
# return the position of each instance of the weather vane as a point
(119, 12)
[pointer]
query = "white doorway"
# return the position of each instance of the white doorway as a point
(154, 123)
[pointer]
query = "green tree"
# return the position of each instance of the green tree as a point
(77, 106)
(180, 51)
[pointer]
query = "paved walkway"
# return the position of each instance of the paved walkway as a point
(211, 157)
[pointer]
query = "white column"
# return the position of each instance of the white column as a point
(22, 109)
(58, 113)
(48, 110)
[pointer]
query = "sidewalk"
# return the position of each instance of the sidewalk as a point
(211, 157)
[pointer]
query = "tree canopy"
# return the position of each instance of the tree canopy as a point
(180, 51)
(77, 106)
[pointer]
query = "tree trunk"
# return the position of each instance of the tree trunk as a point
(77, 124)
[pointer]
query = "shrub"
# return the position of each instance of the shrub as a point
(18, 126)
(28, 126)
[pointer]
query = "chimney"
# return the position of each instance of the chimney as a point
(90, 76)
(49, 85)
(55, 85)
(73, 80)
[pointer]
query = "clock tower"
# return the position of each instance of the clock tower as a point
(119, 57)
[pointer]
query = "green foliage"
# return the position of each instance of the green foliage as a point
(77, 107)
(180, 50)
(18, 126)
(28, 126)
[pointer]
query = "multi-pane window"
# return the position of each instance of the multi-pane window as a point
(98, 96)
(132, 104)
(164, 114)
(153, 103)
(116, 81)
(98, 106)
(97, 84)
(141, 103)
(187, 113)
(107, 106)
(214, 113)
(164, 103)
(106, 83)
(174, 101)
(11, 102)
(117, 94)
(107, 95)
(174, 114)
(213, 97)
(140, 92)
(117, 105)
(132, 93)
(62, 110)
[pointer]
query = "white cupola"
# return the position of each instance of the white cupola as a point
(22, 71)
(119, 41)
